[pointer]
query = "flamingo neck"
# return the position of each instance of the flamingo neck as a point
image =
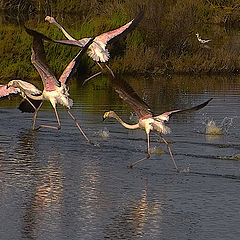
(126, 125)
(34, 97)
(67, 35)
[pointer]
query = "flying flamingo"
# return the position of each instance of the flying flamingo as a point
(147, 121)
(97, 50)
(54, 90)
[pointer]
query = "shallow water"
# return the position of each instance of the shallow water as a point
(54, 185)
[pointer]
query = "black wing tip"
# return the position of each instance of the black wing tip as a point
(140, 15)
(209, 100)
(37, 34)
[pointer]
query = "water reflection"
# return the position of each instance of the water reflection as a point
(43, 210)
(40, 183)
(57, 186)
(136, 216)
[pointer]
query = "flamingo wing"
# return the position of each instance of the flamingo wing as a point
(26, 87)
(74, 63)
(113, 35)
(165, 116)
(6, 91)
(127, 93)
(38, 59)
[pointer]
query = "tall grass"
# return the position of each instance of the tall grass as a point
(164, 40)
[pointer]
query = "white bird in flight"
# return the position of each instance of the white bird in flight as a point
(202, 40)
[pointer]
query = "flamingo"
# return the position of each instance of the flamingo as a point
(97, 50)
(146, 121)
(26, 89)
(202, 40)
(55, 91)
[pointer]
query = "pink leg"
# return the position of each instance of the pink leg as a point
(148, 153)
(110, 70)
(170, 152)
(35, 115)
(53, 127)
(96, 74)
(78, 126)
(30, 102)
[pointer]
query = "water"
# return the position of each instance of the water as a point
(54, 185)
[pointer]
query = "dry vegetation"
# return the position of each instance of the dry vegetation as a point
(165, 41)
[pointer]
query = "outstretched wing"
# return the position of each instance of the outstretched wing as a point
(111, 36)
(165, 116)
(128, 95)
(74, 63)
(4, 91)
(38, 59)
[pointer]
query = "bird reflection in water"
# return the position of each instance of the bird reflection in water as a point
(43, 211)
(41, 182)
(136, 216)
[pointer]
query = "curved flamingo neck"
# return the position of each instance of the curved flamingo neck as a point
(40, 97)
(126, 125)
(67, 35)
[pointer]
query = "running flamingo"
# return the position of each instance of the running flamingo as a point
(147, 121)
(55, 91)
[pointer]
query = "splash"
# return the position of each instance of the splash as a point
(102, 133)
(186, 170)
(156, 150)
(236, 157)
(213, 129)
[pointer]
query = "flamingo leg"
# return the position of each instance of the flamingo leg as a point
(170, 152)
(148, 153)
(25, 97)
(78, 126)
(53, 127)
(110, 70)
(35, 115)
(96, 74)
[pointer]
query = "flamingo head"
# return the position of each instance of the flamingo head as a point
(50, 19)
(110, 114)
(12, 83)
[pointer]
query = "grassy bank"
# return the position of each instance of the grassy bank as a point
(163, 42)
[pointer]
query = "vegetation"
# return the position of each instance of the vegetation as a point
(164, 42)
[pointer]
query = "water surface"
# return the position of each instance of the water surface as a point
(54, 185)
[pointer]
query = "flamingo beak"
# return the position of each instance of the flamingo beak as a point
(105, 115)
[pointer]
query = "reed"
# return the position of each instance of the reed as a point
(163, 42)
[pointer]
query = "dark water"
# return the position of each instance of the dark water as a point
(54, 185)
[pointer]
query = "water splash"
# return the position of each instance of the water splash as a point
(156, 150)
(235, 157)
(103, 133)
(186, 170)
(214, 129)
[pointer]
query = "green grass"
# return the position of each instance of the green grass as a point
(164, 41)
